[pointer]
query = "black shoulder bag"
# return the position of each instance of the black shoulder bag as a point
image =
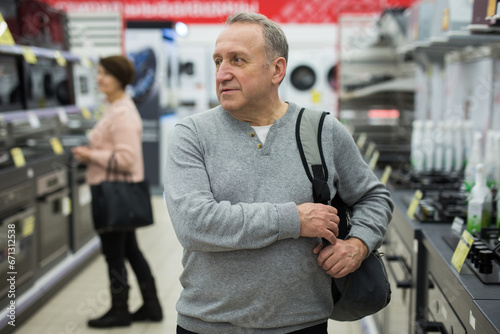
(366, 290)
(120, 205)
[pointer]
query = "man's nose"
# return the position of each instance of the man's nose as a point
(224, 72)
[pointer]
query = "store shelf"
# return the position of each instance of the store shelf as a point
(14, 116)
(40, 52)
(396, 85)
(438, 46)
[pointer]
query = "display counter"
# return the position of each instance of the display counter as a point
(445, 301)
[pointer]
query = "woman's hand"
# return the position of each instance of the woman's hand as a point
(82, 153)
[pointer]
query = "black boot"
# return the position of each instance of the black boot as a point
(118, 315)
(151, 309)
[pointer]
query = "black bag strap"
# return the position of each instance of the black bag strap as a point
(113, 167)
(308, 131)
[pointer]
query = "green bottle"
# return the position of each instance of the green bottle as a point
(480, 203)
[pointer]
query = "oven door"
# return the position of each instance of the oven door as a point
(396, 317)
(439, 313)
(53, 214)
(82, 228)
(21, 224)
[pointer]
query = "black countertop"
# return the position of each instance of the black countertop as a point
(476, 304)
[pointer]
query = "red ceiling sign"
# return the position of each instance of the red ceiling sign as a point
(216, 11)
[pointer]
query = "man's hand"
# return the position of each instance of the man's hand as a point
(318, 220)
(342, 258)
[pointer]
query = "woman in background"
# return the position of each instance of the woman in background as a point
(119, 132)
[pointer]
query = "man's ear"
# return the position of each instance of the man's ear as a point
(279, 66)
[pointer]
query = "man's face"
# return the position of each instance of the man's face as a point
(243, 74)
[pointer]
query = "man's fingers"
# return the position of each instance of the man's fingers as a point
(317, 249)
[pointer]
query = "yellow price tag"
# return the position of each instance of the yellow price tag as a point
(445, 21)
(315, 96)
(462, 250)
(414, 204)
(60, 58)
(386, 175)
(492, 8)
(18, 157)
(5, 35)
(86, 62)
(361, 140)
(369, 150)
(29, 55)
(28, 226)
(56, 145)
(86, 113)
(374, 160)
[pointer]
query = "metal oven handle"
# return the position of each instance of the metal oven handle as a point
(425, 326)
(403, 284)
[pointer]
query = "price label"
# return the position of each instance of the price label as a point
(361, 140)
(374, 160)
(85, 61)
(29, 55)
(63, 116)
(491, 9)
(414, 204)
(369, 150)
(462, 250)
(66, 206)
(387, 174)
(60, 58)
(5, 35)
(28, 226)
(18, 157)
(86, 113)
(33, 119)
(56, 145)
(315, 96)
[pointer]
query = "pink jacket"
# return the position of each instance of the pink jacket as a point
(119, 131)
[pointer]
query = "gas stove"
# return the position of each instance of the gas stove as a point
(442, 206)
(443, 198)
(484, 256)
(426, 181)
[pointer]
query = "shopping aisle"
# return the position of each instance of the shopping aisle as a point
(87, 296)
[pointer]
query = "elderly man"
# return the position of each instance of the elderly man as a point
(241, 203)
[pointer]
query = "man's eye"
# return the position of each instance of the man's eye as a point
(217, 62)
(238, 60)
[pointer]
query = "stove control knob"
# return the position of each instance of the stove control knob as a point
(476, 243)
(477, 250)
(485, 262)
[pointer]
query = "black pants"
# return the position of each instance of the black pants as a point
(318, 329)
(118, 246)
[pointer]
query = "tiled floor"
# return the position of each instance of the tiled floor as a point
(87, 295)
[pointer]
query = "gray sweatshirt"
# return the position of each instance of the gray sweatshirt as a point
(233, 204)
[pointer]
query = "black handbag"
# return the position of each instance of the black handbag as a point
(120, 205)
(366, 290)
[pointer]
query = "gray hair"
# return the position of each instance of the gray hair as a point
(275, 42)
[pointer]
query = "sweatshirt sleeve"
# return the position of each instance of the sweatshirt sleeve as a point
(203, 224)
(360, 188)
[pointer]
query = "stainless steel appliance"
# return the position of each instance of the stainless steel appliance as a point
(17, 217)
(440, 315)
(81, 226)
(48, 84)
(10, 84)
(53, 209)
(401, 265)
